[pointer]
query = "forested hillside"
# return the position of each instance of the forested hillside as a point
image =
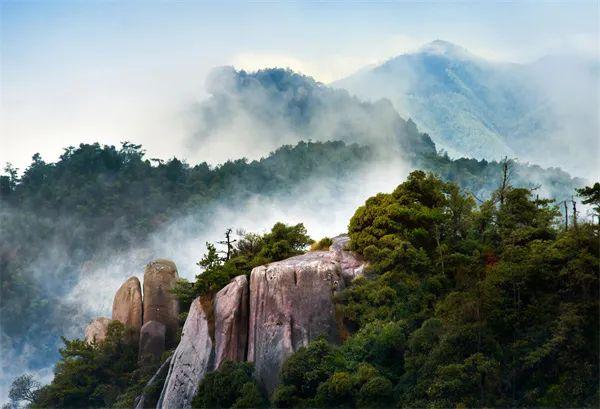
(541, 112)
(463, 304)
(78, 218)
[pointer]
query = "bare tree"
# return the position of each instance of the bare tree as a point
(506, 176)
(574, 212)
(229, 243)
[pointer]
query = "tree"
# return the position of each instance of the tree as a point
(591, 196)
(231, 386)
(91, 375)
(506, 176)
(228, 242)
(9, 181)
(23, 388)
(303, 372)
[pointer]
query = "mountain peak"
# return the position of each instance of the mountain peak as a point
(445, 48)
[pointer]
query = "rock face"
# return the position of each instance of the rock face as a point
(152, 340)
(339, 243)
(231, 321)
(127, 306)
(191, 361)
(351, 264)
(159, 304)
(286, 305)
(97, 330)
(291, 303)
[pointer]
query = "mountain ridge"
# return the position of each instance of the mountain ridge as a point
(479, 108)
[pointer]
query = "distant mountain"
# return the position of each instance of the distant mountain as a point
(544, 112)
(254, 113)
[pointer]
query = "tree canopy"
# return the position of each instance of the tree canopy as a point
(462, 306)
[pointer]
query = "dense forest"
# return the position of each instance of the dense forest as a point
(59, 218)
(464, 304)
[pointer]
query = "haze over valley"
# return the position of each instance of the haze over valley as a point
(132, 133)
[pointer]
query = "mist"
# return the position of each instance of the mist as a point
(544, 112)
(324, 204)
(251, 114)
(246, 115)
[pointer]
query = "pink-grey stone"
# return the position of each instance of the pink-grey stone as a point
(291, 303)
(351, 264)
(152, 340)
(231, 321)
(97, 330)
(159, 303)
(127, 306)
(191, 361)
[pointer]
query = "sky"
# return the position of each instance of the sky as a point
(85, 71)
(108, 71)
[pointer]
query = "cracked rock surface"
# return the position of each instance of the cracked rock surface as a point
(231, 321)
(291, 303)
(190, 362)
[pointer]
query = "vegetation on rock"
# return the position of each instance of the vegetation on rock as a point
(465, 306)
(251, 250)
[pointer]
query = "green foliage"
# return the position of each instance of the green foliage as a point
(249, 251)
(464, 306)
(23, 388)
(423, 244)
(302, 373)
(322, 244)
(90, 375)
(591, 195)
(61, 219)
(231, 386)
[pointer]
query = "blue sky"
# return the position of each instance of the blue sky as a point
(75, 71)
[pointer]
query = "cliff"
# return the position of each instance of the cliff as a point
(285, 305)
(282, 307)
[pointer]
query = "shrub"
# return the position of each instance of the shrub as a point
(322, 244)
(232, 385)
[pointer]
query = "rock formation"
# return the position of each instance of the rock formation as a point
(97, 330)
(152, 340)
(231, 321)
(127, 306)
(291, 303)
(191, 361)
(286, 305)
(351, 264)
(159, 304)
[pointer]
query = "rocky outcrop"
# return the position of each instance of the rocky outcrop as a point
(283, 307)
(127, 306)
(191, 361)
(291, 303)
(159, 304)
(97, 330)
(231, 321)
(340, 243)
(152, 340)
(351, 264)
